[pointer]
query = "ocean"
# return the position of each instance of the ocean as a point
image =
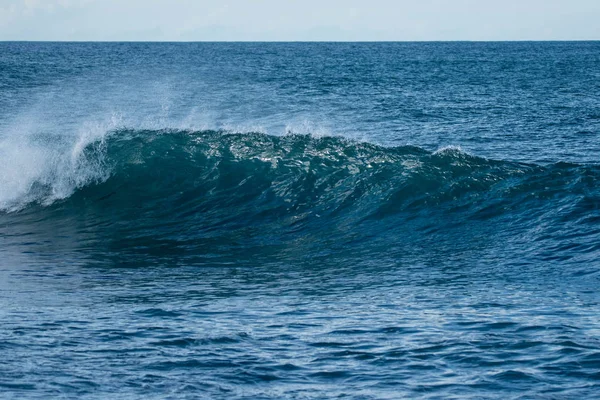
(300, 220)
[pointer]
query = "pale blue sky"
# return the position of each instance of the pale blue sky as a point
(192, 20)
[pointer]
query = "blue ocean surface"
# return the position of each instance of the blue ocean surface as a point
(300, 220)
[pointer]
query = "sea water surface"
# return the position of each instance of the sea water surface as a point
(300, 220)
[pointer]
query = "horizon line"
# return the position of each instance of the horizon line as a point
(300, 41)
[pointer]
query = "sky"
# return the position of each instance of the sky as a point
(299, 20)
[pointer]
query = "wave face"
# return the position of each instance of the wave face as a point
(183, 192)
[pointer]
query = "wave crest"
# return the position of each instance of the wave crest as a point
(275, 175)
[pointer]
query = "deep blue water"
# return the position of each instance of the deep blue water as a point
(300, 220)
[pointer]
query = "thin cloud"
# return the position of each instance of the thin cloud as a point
(299, 20)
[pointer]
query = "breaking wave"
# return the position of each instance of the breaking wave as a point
(186, 187)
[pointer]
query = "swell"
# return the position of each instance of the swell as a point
(182, 188)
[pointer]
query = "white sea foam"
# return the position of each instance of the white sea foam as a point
(39, 167)
(450, 149)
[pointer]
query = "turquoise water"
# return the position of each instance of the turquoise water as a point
(330, 220)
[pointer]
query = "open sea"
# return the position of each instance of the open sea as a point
(300, 220)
